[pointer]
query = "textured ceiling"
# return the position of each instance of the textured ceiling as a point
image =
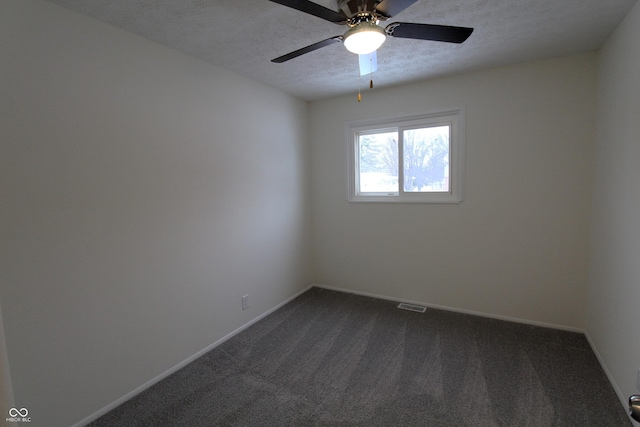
(244, 35)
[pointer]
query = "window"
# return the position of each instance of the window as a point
(416, 159)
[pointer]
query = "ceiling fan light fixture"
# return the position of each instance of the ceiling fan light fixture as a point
(364, 38)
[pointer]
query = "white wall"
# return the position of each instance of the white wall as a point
(613, 313)
(517, 245)
(143, 193)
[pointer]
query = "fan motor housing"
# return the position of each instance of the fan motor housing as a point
(352, 8)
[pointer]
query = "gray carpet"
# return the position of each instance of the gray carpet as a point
(335, 359)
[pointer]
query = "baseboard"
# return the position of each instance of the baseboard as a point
(624, 400)
(454, 309)
(182, 364)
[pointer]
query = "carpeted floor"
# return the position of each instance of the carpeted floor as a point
(335, 359)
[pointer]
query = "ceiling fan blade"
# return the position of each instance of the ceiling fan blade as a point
(314, 9)
(391, 8)
(310, 48)
(439, 33)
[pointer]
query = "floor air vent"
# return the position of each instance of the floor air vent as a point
(412, 307)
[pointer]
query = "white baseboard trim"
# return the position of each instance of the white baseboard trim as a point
(182, 364)
(624, 400)
(453, 309)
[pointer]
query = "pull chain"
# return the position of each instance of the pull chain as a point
(371, 71)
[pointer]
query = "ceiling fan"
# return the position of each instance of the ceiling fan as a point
(364, 35)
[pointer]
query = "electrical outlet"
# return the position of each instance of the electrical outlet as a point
(245, 302)
(638, 380)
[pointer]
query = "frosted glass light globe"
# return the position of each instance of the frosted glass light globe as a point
(364, 38)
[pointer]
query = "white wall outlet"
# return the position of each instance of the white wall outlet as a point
(245, 301)
(638, 380)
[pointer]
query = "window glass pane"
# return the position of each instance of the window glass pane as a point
(378, 161)
(426, 159)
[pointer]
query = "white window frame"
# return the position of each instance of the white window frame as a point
(454, 117)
